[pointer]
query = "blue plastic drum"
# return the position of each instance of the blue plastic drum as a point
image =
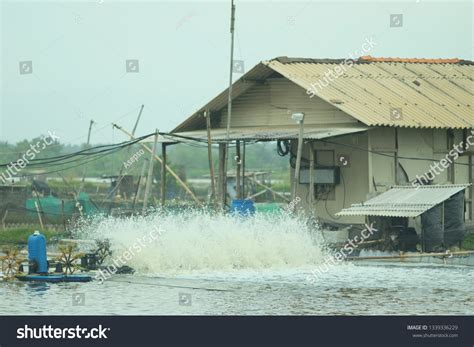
(37, 252)
(242, 207)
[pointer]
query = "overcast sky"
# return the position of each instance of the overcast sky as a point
(78, 53)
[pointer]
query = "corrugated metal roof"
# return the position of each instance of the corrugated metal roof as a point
(432, 93)
(273, 133)
(404, 201)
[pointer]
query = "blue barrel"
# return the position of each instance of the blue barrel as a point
(242, 207)
(37, 252)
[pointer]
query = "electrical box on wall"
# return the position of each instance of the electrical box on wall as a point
(322, 175)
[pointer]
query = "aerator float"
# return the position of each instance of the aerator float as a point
(67, 263)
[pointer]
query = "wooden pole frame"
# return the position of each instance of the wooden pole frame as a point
(178, 179)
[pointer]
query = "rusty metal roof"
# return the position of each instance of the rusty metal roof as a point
(404, 201)
(426, 93)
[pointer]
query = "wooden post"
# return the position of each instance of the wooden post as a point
(149, 179)
(178, 179)
(163, 174)
(237, 169)
(39, 216)
(207, 114)
(311, 177)
(222, 175)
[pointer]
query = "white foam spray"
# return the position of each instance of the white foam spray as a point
(196, 241)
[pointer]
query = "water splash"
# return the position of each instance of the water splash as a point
(196, 241)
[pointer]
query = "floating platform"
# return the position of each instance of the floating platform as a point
(54, 278)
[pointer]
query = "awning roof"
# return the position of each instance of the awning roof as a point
(404, 201)
(272, 133)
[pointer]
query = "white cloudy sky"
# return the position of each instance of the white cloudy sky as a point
(78, 52)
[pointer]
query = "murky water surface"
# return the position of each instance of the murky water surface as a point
(213, 265)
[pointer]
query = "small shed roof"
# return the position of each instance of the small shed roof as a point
(404, 201)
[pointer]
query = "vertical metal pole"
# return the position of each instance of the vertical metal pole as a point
(207, 114)
(163, 174)
(298, 160)
(149, 179)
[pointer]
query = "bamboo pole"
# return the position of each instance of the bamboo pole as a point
(163, 174)
(207, 114)
(39, 216)
(149, 179)
(178, 179)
